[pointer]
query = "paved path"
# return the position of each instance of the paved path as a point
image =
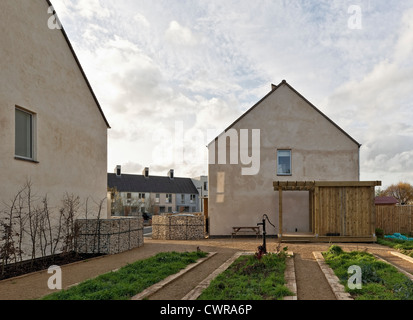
(311, 282)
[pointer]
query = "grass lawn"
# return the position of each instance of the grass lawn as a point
(250, 279)
(380, 281)
(129, 280)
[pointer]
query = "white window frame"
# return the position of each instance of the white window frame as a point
(279, 169)
(33, 140)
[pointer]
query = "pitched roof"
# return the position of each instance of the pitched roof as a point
(274, 89)
(81, 69)
(152, 184)
(385, 200)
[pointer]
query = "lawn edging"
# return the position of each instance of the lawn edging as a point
(197, 291)
(158, 286)
(334, 282)
(401, 255)
(289, 276)
(407, 274)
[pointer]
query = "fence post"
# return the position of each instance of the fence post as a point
(129, 236)
(410, 220)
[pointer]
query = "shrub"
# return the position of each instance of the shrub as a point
(335, 250)
(379, 233)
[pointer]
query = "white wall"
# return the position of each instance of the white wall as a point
(39, 73)
(320, 151)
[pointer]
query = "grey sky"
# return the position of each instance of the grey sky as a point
(203, 63)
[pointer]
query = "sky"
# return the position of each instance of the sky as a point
(171, 75)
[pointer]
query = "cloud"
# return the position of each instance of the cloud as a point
(123, 75)
(378, 107)
(205, 63)
(404, 47)
(179, 35)
(141, 20)
(132, 168)
(92, 8)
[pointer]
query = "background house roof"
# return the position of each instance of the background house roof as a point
(152, 184)
(385, 200)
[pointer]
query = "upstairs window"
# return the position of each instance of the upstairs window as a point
(284, 163)
(24, 134)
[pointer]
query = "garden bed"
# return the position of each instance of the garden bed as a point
(129, 280)
(29, 266)
(380, 280)
(403, 246)
(249, 278)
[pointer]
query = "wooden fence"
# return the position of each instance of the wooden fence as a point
(395, 219)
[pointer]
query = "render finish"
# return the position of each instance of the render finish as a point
(40, 74)
(320, 151)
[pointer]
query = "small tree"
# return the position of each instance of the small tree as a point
(380, 192)
(96, 236)
(33, 216)
(8, 248)
(402, 191)
(150, 205)
(117, 208)
(69, 212)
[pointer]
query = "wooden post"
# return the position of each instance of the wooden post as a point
(310, 208)
(373, 211)
(316, 210)
(280, 211)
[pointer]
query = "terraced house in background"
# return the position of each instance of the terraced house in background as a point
(132, 195)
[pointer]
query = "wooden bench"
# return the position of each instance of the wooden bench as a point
(255, 230)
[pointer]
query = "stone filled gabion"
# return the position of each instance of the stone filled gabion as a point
(178, 227)
(109, 236)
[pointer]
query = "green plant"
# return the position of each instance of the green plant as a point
(369, 274)
(129, 280)
(335, 250)
(250, 279)
(380, 281)
(379, 233)
(404, 246)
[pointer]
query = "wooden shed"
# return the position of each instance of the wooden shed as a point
(340, 211)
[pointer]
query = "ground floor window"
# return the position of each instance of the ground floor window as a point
(24, 134)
